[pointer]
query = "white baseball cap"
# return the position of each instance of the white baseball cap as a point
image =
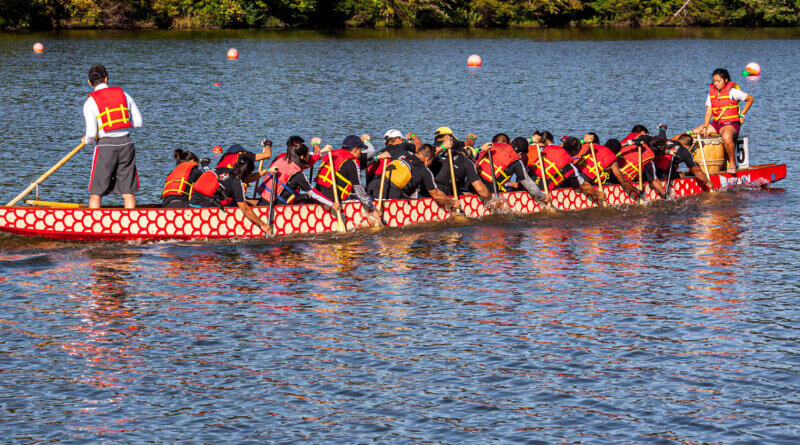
(391, 134)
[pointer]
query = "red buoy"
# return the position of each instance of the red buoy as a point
(216, 84)
(38, 47)
(233, 53)
(474, 60)
(217, 149)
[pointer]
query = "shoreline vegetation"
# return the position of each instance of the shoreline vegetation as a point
(28, 15)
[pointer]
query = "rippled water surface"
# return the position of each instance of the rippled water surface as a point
(674, 323)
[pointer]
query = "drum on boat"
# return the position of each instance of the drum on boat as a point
(714, 151)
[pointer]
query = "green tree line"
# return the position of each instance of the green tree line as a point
(47, 14)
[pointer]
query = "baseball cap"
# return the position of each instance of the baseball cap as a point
(353, 141)
(441, 131)
(391, 134)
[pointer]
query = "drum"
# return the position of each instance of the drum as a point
(714, 153)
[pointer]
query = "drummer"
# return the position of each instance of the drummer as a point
(723, 114)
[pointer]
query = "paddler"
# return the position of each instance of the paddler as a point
(629, 162)
(287, 178)
(225, 188)
(109, 114)
(408, 176)
(507, 164)
(672, 152)
(347, 169)
(396, 147)
(465, 173)
(236, 151)
(723, 113)
(560, 171)
(178, 185)
(607, 161)
(636, 131)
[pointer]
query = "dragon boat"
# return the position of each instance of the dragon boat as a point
(154, 224)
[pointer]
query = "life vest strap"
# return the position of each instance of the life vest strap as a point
(107, 113)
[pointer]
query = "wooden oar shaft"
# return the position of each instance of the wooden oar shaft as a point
(383, 179)
(641, 186)
(452, 173)
(335, 190)
(491, 166)
(544, 173)
(41, 179)
(703, 155)
(597, 171)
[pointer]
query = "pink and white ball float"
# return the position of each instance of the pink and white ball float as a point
(233, 53)
(474, 61)
(38, 48)
(752, 69)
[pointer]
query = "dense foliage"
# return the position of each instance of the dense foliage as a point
(40, 14)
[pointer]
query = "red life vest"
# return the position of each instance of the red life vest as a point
(663, 160)
(229, 160)
(113, 107)
(178, 180)
(286, 169)
(723, 108)
(630, 137)
(324, 177)
(533, 157)
(605, 157)
(556, 165)
(503, 155)
(630, 160)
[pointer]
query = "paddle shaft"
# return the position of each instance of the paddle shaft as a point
(669, 176)
(335, 191)
(260, 166)
(544, 174)
(41, 179)
(703, 155)
(491, 165)
(380, 192)
(271, 213)
(597, 172)
(452, 172)
(641, 184)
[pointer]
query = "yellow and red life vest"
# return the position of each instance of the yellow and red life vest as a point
(229, 160)
(629, 156)
(286, 169)
(503, 155)
(178, 180)
(113, 107)
(325, 178)
(556, 165)
(629, 138)
(605, 157)
(723, 108)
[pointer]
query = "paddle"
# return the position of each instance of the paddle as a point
(453, 179)
(703, 155)
(271, 212)
(41, 179)
(335, 190)
(669, 177)
(544, 177)
(597, 173)
(264, 144)
(380, 192)
(491, 165)
(641, 184)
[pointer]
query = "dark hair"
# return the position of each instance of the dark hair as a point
(97, 74)
(244, 166)
(686, 140)
(659, 145)
(572, 145)
(520, 145)
(547, 136)
(501, 138)
(296, 153)
(426, 150)
(596, 137)
(614, 145)
(293, 140)
(723, 73)
(639, 129)
(184, 156)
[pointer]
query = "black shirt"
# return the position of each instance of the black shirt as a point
(349, 170)
(421, 180)
(517, 168)
(463, 167)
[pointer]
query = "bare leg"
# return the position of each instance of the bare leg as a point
(94, 201)
(130, 201)
(728, 141)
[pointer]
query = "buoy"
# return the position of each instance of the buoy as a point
(216, 84)
(752, 69)
(217, 149)
(233, 53)
(38, 47)
(474, 60)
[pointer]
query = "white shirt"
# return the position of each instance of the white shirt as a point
(90, 114)
(735, 94)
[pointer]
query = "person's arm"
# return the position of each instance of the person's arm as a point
(90, 119)
(748, 102)
(707, 118)
(249, 214)
(521, 173)
(300, 183)
(415, 140)
(136, 115)
(626, 184)
(370, 151)
(652, 178)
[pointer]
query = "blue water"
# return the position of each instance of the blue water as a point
(676, 322)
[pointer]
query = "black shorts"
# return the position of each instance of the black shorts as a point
(114, 167)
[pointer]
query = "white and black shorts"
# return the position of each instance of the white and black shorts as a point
(114, 167)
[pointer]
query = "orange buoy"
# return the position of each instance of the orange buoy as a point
(474, 60)
(752, 69)
(233, 53)
(217, 149)
(38, 47)
(216, 84)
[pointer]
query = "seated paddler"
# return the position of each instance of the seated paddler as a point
(406, 177)
(396, 147)
(559, 171)
(596, 160)
(179, 182)
(499, 162)
(467, 179)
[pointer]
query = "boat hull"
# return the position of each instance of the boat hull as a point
(115, 224)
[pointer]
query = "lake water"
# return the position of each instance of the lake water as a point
(674, 323)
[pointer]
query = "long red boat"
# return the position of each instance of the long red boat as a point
(152, 224)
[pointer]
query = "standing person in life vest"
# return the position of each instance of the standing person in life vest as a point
(179, 183)
(347, 168)
(408, 176)
(723, 114)
(109, 114)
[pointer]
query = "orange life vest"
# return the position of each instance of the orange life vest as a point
(286, 169)
(207, 184)
(178, 180)
(723, 108)
(325, 178)
(503, 155)
(630, 160)
(556, 165)
(605, 157)
(113, 107)
(532, 158)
